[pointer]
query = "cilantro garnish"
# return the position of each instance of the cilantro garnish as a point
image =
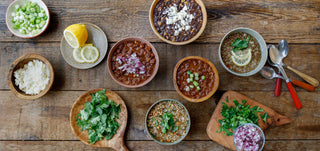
(264, 117)
(168, 123)
(239, 44)
(238, 115)
(98, 117)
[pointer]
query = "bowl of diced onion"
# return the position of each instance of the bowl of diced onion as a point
(27, 18)
(248, 137)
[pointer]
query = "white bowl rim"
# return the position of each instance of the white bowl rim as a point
(16, 33)
(263, 47)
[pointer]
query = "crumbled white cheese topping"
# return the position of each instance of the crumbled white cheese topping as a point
(33, 77)
(181, 19)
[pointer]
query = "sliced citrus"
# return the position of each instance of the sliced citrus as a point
(76, 35)
(90, 53)
(77, 55)
(241, 53)
(241, 61)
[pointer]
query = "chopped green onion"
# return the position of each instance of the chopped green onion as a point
(191, 75)
(188, 72)
(187, 88)
(198, 88)
(196, 78)
(203, 77)
(188, 80)
(191, 86)
(196, 74)
(195, 83)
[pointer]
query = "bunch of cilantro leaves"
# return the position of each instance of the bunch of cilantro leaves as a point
(239, 44)
(98, 117)
(168, 123)
(238, 115)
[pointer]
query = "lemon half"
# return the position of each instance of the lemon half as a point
(90, 53)
(76, 35)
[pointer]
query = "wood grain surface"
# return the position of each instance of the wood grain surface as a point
(43, 124)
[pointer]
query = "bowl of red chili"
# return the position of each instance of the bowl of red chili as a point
(133, 62)
(195, 78)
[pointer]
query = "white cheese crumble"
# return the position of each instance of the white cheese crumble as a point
(33, 77)
(181, 19)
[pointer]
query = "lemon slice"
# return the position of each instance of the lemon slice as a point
(90, 53)
(241, 60)
(242, 53)
(76, 35)
(77, 55)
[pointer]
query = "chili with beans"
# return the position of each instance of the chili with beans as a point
(205, 80)
(133, 62)
(177, 20)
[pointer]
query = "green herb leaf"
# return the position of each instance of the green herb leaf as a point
(168, 123)
(239, 44)
(264, 117)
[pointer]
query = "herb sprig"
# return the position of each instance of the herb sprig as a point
(238, 115)
(98, 117)
(239, 44)
(168, 123)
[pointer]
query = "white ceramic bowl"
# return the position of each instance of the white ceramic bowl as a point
(263, 48)
(11, 9)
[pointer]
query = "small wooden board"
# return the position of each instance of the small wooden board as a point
(275, 118)
(117, 141)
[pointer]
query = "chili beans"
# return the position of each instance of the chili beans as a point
(177, 20)
(205, 79)
(133, 62)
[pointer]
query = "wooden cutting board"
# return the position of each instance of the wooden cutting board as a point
(275, 118)
(117, 141)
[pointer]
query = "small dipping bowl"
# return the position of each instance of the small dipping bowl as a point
(263, 48)
(182, 137)
(19, 63)
(114, 48)
(262, 137)
(9, 17)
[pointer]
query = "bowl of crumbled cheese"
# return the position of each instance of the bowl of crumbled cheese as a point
(30, 76)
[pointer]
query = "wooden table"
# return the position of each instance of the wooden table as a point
(43, 124)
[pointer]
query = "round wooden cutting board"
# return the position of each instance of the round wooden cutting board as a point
(117, 141)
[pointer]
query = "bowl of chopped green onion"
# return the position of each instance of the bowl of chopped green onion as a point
(27, 18)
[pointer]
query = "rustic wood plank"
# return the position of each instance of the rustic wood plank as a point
(283, 145)
(48, 117)
(296, 21)
(303, 57)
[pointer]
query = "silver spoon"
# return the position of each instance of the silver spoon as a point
(277, 88)
(284, 49)
(269, 73)
(276, 58)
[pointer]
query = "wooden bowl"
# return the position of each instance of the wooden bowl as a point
(11, 8)
(215, 85)
(133, 39)
(203, 26)
(19, 63)
(117, 141)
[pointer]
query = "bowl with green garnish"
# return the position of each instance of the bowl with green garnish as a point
(27, 18)
(243, 52)
(167, 122)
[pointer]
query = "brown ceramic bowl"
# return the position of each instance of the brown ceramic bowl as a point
(132, 39)
(215, 84)
(203, 26)
(11, 8)
(19, 63)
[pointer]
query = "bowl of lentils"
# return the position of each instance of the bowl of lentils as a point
(243, 52)
(27, 18)
(167, 122)
(178, 22)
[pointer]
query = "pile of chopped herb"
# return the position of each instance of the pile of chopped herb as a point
(239, 44)
(238, 115)
(98, 117)
(168, 123)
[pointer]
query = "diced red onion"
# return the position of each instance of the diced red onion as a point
(248, 138)
(131, 64)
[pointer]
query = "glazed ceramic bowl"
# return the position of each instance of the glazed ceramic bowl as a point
(203, 26)
(9, 17)
(19, 63)
(114, 48)
(215, 84)
(263, 48)
(187, 129)
(262, 137)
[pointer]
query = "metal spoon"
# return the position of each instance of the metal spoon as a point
(276, 58)
(277, 88)
(269, 73)
(284, 49)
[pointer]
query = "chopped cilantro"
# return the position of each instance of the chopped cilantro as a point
(168, 123)
(98, 117)
(239, 44)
